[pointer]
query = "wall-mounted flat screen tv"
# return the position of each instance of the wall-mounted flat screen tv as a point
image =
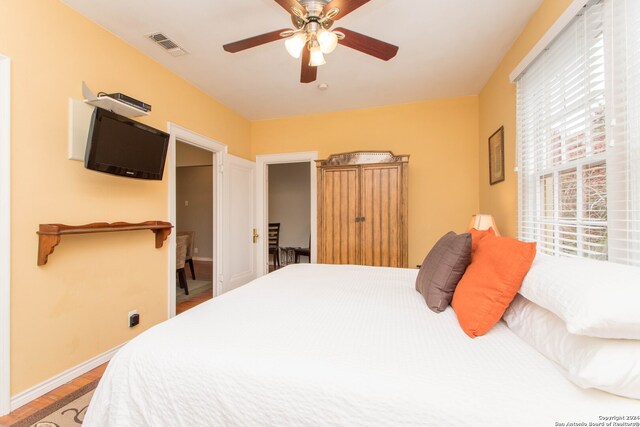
(121, 146)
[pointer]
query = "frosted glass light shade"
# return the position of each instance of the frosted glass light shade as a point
(317, 58)
(295, 44)
(328, 41)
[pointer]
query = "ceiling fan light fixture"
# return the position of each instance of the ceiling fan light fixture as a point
(313, 21)
(316, 57)
(328, 41)
(295, 44)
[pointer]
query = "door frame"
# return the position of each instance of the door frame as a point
(262, 202)
(218, 151)
(5, 232)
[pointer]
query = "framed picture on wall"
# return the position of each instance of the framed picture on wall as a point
(496, 157)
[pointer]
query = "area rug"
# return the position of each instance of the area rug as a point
(66, 412)
(196, 287)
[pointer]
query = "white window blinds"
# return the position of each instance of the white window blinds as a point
(622, 30)
(579, 170)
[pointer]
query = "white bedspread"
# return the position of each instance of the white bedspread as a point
(316, 345)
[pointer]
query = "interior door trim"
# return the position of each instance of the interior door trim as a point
(179, 133)
(5, 232)
(262, 202)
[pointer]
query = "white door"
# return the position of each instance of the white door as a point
(239, 256)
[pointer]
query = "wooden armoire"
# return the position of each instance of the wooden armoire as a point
(362, 209)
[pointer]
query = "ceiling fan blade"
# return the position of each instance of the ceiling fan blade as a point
(253, 41)
(308, 73)
(345, 6)
(368, 45)
(288, 4)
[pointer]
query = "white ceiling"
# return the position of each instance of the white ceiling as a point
(448, 48)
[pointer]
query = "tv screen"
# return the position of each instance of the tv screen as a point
(121, 146)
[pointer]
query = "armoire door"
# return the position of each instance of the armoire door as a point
(339, 232)
(362, 209)
(381, 210)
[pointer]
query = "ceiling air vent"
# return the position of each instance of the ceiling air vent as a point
(167, 44)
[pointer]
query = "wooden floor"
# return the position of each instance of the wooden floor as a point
(51, 397)
(203, 272)
(198, 299)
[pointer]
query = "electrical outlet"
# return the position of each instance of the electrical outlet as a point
(186, 203)
(133, 318)
(195, 250)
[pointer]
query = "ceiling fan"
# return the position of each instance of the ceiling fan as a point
(313, 37)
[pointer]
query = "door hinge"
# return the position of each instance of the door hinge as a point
(220, 279)
(221, 169)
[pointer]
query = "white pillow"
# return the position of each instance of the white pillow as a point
(606, 364)
(595, 298)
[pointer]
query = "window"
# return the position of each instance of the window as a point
(578, 139)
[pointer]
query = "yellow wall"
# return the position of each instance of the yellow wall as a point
(76, 306)
(441, 137)
(498, 108)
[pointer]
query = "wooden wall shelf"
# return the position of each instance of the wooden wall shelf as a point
(50, 234)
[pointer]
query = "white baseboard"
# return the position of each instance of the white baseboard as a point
(202, 259)
(45, 387)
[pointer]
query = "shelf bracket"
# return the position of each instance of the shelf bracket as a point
(161, 235)
(46, 246)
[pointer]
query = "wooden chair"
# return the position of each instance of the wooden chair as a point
(190, 246)
(274, 243)
(298, 252)
(181, 255)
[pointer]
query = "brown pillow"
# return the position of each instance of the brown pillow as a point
(443, 268)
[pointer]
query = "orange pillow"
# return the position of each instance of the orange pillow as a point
(477, 235)
(491, 282)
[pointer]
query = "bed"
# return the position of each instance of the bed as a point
(313, 345)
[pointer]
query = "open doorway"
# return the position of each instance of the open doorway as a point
(299, 188)
(216, 152)
(195, 174)
(289, 214)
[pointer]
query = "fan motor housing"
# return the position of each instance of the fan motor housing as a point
(314, 7)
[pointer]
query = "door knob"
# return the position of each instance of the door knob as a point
(255, 235)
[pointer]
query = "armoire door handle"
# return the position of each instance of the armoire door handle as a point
(360, 219)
